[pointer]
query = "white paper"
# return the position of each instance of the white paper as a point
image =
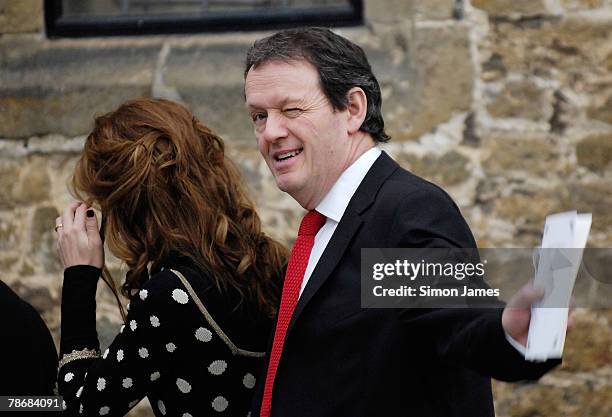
(565, 236)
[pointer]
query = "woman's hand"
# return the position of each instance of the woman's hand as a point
(78, 241)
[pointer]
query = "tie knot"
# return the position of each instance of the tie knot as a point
(311, 223)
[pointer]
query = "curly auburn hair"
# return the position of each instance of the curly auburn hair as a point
(165, 188)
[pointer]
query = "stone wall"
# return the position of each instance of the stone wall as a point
(506, 104)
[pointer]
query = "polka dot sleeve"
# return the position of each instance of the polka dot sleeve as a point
(111, 382)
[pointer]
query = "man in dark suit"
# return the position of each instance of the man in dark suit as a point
(316, 110)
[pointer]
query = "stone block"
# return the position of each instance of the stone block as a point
(251, 165)
(8, 261)
(579, 387)
(21, 16)
(531, 157)
(33, 185)
(23, 182)
(390, 56)
(32, 111)
(577, 28)
(438, 82)
(448, 169)
(595, 152)
(64, 63)
(389, 10)
(493, 69)
(513, 7)
(527, 211)
(443, 9)
(209, 78)
(608, 62)
(222, 109)
(567, 48)
(26, 181)
(570, 397)
(206, 64)
(432, 9)
(9, 170)
(398, 10)
(602, 113)
(391, 59)
(27, 269)
(581, 4)
(59, 87)
(43, 239)
(9, 232)
(522, 99)
(592, 197)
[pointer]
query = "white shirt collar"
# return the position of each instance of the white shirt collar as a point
(337, 199)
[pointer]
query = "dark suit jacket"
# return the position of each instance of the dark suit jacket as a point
(342, 360)
(29, 357)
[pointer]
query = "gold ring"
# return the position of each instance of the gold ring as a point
(58, 226)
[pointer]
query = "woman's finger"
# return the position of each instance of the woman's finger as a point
(94, 239)
(68, 215)
(91, 225)
(79, 217)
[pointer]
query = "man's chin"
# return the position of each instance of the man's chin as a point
(289, 187)
(285, 183)
(284, 186)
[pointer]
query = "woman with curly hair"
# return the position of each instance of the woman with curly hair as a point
(203, 278)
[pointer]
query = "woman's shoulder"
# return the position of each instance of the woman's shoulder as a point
(183, 280)
(234, 319)
(163, 292)
(158, 285)
(161, 282)
(180, 288)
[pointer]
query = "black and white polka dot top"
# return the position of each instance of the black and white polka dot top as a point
(185, 345)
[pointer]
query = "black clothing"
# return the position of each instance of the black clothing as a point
(342, 360)
(28, 351)
(187, 361)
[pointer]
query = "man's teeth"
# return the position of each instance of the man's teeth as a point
(288, 155)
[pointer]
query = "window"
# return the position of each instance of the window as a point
(73, 18)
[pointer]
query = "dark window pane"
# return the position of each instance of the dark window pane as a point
(110, 17)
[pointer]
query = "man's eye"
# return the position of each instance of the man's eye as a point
(258, 117)
(293, 112)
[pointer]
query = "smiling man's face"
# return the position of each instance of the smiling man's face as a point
(303, 140)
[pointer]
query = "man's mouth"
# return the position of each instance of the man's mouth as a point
(288, 155)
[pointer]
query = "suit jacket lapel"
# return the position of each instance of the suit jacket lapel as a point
(349, 224)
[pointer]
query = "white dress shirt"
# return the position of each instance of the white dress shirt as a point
(334, 204)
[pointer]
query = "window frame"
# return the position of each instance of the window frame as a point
(60, 26)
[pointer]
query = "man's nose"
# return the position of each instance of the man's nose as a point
(275, 128)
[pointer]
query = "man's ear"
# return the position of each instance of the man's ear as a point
(357, 108)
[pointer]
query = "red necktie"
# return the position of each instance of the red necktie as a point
(298, 260)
